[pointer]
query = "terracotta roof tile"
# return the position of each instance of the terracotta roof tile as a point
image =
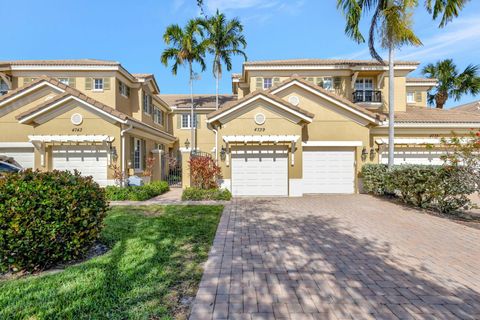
(422, 114)
(421, 80)
(468, 107)
(182, 101)
(66, 62)
(324, 62)
(267, 94)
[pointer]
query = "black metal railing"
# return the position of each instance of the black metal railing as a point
(367, 96)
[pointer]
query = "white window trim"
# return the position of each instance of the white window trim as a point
(67, 82)
(263, 83)
(189, 121)
(331, 82)
(124, 86)
(139, 142)
(413, 97)
(94, 86)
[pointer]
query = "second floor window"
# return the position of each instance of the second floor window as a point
(328, 83)
(267, 83)
(124, 89)
(147, 104)
(186, 121)
(98, 84)
(158, 116)
(3, 87)
(65, 81)
(410, 97)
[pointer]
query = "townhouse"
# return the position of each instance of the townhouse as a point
(90, 115)
(297, 127)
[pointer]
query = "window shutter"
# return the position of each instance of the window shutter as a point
(106, 83)
(337, 82)
(418, 96)
(197, 121)
(88, 83)
(128, 91)
(144, 154)
(179, 120)
(132, 151)
(71, 82)
(276, 81)
(259, 83)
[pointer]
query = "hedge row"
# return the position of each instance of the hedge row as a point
(137, 193)
(196, 194)
(441, 188)
(48, 218)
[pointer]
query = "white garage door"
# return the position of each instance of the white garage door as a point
(414, 156)
(328, 171)
(260, 173)
(88, 160)
(24, 156)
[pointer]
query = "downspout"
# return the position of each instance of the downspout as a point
(122, 134)
(216, 142)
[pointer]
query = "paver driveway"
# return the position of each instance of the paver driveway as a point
(338, 257)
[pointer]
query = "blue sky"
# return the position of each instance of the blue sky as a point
(131, 32)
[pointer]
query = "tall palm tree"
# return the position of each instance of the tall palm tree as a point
(187, 47)
(451, 83)
(391, 21)
(224, 39)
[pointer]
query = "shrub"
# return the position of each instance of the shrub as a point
(204, 172)
(196, 194)
(48, 218)
(136, 193)
(441, 188)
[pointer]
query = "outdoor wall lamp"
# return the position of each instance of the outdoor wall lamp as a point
(223, 154)
(372, 153)
(364, 153)
(187, 144)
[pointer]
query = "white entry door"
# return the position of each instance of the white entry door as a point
(88, 160)
(419, 155)
(328, 171)
(260, 173)
(24, 156)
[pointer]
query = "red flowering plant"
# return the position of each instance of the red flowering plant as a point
(149, 162)
(204, 172)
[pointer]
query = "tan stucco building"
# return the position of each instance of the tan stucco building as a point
(296, 127)
(89, 115)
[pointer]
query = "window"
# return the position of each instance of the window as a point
(124, 89)
(186, 122)
(328, 83)
(65, 81)
(410, 97)
(3, 87)
(98, 84)
(137, 154)
(158, 116)
(147, 104)
(267, 83)
(365, 86)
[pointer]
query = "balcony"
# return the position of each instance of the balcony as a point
(367, 96)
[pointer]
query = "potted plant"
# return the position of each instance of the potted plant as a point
(147, 173)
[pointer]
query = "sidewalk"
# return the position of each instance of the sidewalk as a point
(174, 196)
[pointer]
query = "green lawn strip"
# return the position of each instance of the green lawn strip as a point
(154, 260)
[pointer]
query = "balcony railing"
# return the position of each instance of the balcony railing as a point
(367, 96)
(2, 92)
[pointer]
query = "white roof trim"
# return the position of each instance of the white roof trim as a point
(420, 141)
(66, 99)
(70, 138)
(16, 144)
(326, 97)
(332, 144)
(432, 124)
(421, 84)
(254, 98)
(38, 85)
(326, 67)
(261, 139)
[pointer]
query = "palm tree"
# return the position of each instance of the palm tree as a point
(451, 83)
(187, 47)
(224, 39)
(391, 20)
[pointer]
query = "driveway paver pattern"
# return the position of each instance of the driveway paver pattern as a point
(338, 257)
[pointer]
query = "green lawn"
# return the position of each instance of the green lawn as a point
(153, 262)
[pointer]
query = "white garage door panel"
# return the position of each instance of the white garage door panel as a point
(328, 171)
(24, 156)
(414, 156)
(260, 174)
(88, 160)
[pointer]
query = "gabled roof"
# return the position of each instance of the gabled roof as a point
(201, 101)
(340, 101)
(473, 106)
(434, 115)
(264, 95)
(349, 62)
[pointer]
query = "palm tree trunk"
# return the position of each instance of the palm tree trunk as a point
(216, 89)
(391, 106)
(192, 127)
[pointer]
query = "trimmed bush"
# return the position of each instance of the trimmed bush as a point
(136, 193)
(48, 218)
(196, 194)
(441, 188)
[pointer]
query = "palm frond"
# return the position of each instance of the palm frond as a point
(447, 9)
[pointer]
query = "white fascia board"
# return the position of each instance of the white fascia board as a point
(433, 125)
(421, 84)
(260, 138)
(70, 138)
(21, 94)
(326, 97)
(327, 67)
(260, 96)
(16, 145)
(151, 130)
(332, 143)
(65, 100)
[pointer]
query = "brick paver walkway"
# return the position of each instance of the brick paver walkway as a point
(338, 257)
